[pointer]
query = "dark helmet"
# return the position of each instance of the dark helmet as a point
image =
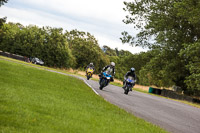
(132, 69)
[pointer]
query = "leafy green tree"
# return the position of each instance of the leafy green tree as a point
(85, 49)
(48, 44)
(191, 53)
(155, 73)
(108, 51)
(2, 20)
(2, 2)
(124, 53)
(171, 24)
(7, 37)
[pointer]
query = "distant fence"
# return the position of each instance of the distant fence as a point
(173, 95)
(14, 56)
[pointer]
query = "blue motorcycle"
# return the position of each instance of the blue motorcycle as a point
(104, 80)
(130, 82)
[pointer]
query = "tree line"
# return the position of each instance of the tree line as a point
(57, 48)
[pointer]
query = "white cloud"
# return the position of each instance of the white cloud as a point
(102, 18)
(107, 10)
(30, 17)
(115, 44)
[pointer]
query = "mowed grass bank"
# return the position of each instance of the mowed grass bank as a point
(33, 100)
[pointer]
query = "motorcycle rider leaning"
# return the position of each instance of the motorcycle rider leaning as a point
(110, 69)
(130, 73)
(90, 66)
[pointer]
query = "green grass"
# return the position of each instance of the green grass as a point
(34, 100)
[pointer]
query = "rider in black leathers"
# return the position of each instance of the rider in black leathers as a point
(130, 73)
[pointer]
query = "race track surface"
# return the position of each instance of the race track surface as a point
(171, 115)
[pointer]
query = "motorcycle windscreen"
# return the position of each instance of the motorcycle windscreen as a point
(130, 79)
(106, 74)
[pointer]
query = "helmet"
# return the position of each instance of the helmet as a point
(112, 64)
(132, 69)
(91, 64)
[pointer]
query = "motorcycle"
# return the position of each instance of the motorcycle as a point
(104, 80)
(129, 84)
(89, 73)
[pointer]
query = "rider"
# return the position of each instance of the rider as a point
(130, 73)
(91, 66)
(110, 69)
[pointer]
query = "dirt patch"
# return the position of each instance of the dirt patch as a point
(145, 88)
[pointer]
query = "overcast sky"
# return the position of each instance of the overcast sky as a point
(101, 18)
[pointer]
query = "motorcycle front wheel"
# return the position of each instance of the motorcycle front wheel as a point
(126, 90)
(102, 84)
(88, 77)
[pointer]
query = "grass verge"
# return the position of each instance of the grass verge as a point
(34, 100)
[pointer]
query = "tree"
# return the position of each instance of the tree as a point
(48, 44)
(85, 49)
(191, 53)
(2, 2)
(2, 20)
(171, 23)
(108, 51)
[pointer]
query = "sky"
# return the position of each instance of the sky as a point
(101, 18)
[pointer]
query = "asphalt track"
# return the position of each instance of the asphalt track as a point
(175, 117)
(171, 115)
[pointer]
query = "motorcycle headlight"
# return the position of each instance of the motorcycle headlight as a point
(108, 77)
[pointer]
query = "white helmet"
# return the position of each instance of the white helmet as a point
(112, 64)
(91, 64)
(132, 69)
